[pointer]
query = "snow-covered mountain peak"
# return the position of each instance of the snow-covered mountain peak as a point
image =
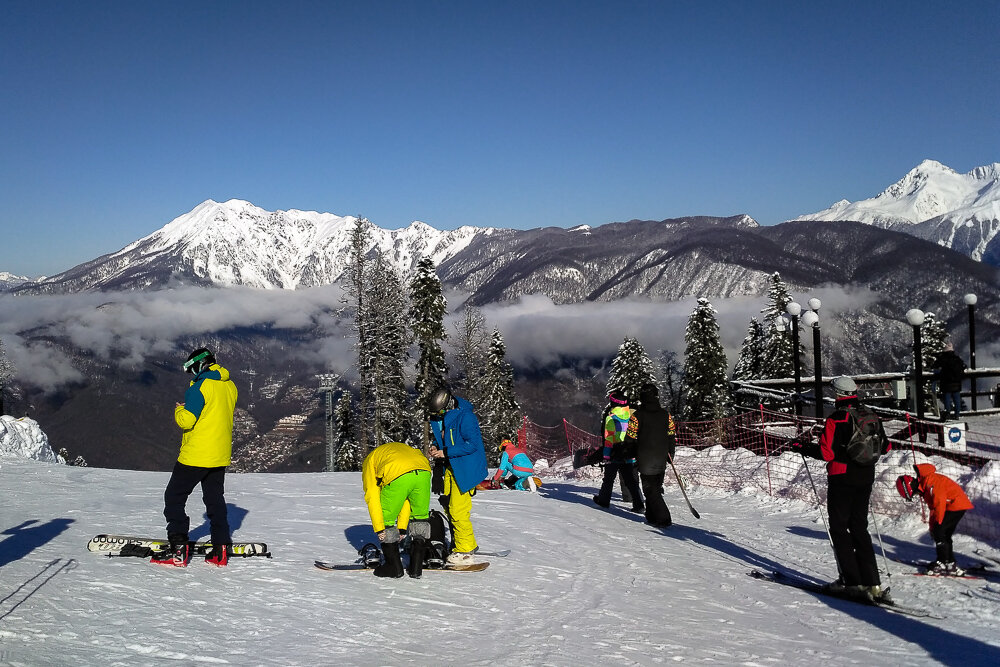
(238, 243)
(935, 202)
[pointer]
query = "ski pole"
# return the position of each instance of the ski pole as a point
(680, 483)
(829, 536)
(885, 559)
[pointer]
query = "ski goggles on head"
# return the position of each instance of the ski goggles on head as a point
(191, 362)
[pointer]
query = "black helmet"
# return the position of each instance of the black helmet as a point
(439, 399)
(199, 360)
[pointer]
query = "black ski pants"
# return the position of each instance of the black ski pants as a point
(657, 513)
(847, 505)
(213, 491)
(942, 536)
(611, 469)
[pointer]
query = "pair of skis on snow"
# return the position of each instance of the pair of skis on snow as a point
(125, 545)
(976, 571)
(785, 579)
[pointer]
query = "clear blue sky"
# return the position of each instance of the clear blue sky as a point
(119, 116)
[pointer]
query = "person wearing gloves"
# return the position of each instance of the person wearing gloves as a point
(206, 421)
(618, 455)
(947, 503)
(458, 445)
(397, 484)
(849, 490)
(516, 469)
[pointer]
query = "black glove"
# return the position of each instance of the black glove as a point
(437, 477)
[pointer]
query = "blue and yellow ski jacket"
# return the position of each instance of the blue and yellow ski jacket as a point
(458, 435)
(207, 419)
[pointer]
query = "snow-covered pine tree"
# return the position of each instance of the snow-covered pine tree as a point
(355, 289)
(778, 362)
(348, 452)
(706, 385)
(933, 337)
(388, 344)
(750, 365)
(6, 374)
(630, 369)
(470, 343)
(427, 310)
(499, 414)
(672, 374)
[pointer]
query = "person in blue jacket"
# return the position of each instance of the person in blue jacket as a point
(459, 445)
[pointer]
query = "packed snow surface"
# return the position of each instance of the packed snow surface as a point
(582, 585)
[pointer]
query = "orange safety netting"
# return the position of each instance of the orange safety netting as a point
(751, 451)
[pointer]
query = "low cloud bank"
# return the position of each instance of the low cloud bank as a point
(130, 328)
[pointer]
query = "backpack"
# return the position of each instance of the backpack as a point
(865, 446)
(439, 546)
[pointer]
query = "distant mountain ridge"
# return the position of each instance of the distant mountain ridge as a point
(235, 243)
(936, 203)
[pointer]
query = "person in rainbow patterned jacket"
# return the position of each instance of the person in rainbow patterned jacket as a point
(618, 455)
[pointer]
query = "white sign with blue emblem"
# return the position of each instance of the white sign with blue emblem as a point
(954, 436)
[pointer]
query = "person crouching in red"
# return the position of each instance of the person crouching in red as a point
(947, 503)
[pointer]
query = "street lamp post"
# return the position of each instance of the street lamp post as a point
(970, 301)
(328, 385)
(811, 319)
(915, 317)
(793, 309)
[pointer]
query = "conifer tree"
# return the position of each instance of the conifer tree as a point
(706, 387)
(631, 369)
(348, 452)
(778, 362)
(356, 288)
(6, 374)
(427, 310)
(499, 414)
(750, 365)
(388, 342)
(470, 340)
(672, 374)
(933, 337)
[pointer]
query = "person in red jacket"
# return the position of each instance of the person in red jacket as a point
(849, 490)
(947, 503)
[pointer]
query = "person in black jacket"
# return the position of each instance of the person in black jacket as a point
(651, 431)
(949, 370)
(849, 490)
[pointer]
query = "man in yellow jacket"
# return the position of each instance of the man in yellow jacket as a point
(206, 419)
(397, 484)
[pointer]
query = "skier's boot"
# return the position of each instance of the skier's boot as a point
(218, 556)
(177, 554)
(418, 547)
(393, 565)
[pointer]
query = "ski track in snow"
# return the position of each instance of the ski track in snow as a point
(583, 586)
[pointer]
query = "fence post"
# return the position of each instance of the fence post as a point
(767, 459)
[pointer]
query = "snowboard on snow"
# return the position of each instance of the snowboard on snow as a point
(785, 579)
(360, 567)
(112, 545)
